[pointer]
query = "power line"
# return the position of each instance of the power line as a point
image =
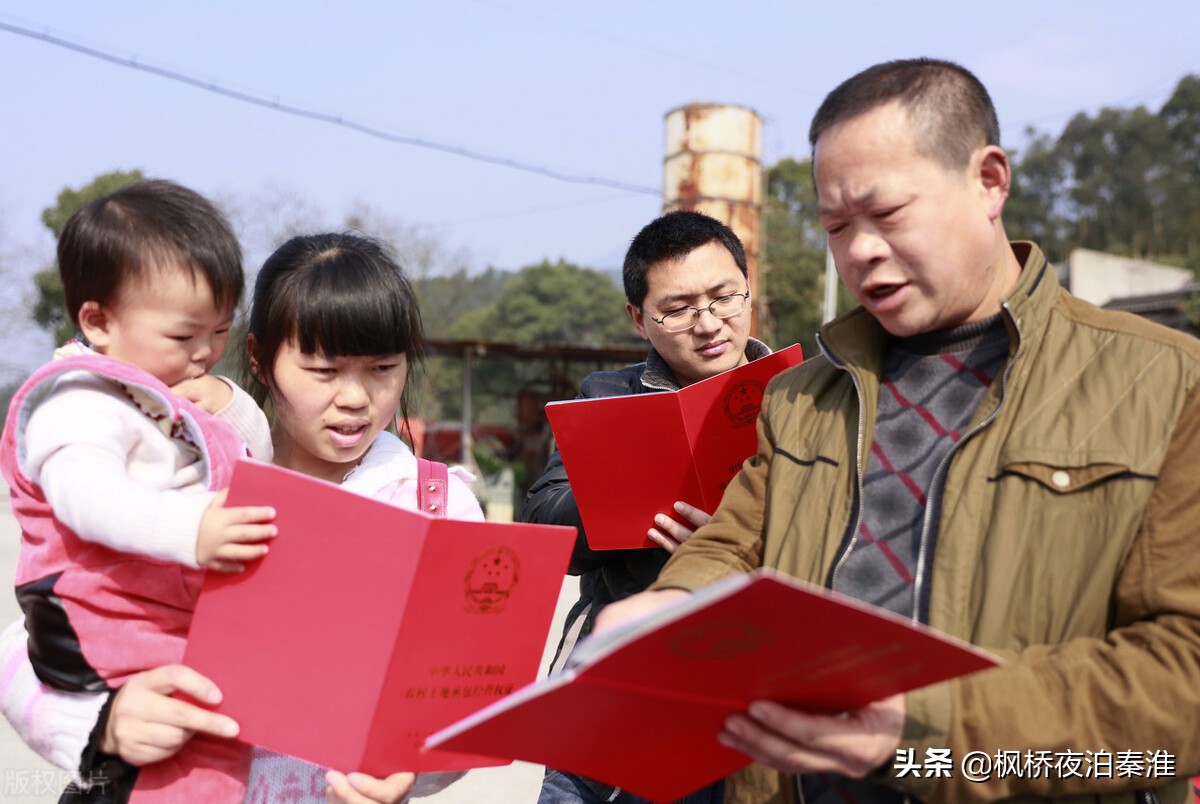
(326, 117)
(1159, 88)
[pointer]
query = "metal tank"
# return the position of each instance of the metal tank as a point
(713, 164)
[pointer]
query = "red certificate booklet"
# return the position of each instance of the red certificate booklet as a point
(647, 699)
(631, 457)
(366, 626)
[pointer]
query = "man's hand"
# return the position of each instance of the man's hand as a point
(229, 537)
(145, 724)
(206, 392)
(359, 788)
(670, 534)
(635, 606)
(852, 744)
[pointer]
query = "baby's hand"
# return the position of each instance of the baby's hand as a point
(206, 391)
(229, 537)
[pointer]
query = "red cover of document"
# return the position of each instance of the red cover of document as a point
(366, 626)
(647, 699)
(631, 457)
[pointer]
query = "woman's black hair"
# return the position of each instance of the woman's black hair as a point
(337, 295)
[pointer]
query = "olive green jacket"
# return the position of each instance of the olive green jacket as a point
(1067, 539)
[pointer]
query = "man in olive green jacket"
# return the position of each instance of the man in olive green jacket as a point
(1053, 475)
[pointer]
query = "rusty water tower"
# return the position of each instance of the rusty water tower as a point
(713, 164)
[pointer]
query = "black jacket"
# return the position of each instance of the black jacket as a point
(605, 575)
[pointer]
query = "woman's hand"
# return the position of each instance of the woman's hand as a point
(359, 788)
(145, 724)
(670, 534)
(635, 606)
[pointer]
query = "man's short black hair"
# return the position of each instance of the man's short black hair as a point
(672, 237)
(951, 112)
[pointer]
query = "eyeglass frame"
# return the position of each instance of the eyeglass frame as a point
(697, 311)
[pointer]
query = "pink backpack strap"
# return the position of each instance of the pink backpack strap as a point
(432, 483)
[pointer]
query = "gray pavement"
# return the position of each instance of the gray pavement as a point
(27, 778)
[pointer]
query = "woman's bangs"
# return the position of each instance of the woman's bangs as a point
(340, 322)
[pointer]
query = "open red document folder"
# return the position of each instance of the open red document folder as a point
(366, 626)
(631, 457)
(647, 699)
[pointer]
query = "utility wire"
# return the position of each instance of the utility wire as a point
(1159, 88)
(327, 117)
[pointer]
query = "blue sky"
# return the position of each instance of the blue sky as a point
(580, 88)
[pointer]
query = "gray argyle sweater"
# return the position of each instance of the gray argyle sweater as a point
(930, 387)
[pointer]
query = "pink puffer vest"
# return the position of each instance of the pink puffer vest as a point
(97, 615)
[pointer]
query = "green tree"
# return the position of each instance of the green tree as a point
(551, 303)
(1125, 181)
(50, 309)
(446, 298)
(1114, 168)
(547, 303)
(1181, 116)
(1030, 212)
(794, 256)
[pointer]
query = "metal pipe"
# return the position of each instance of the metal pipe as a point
(831, 286)
(467, 458)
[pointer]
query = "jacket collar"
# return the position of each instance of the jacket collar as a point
(1029, 302)
(854, 339)
(658, 374)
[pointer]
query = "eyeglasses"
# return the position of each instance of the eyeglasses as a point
(686, 318)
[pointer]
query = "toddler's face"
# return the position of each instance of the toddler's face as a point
(168, 326)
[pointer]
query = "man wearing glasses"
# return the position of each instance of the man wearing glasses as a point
(686, 291)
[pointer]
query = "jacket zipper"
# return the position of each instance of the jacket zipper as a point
(1151, 796)
(927, 521)
(858, 482)
(937, 485)
(858, 478)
